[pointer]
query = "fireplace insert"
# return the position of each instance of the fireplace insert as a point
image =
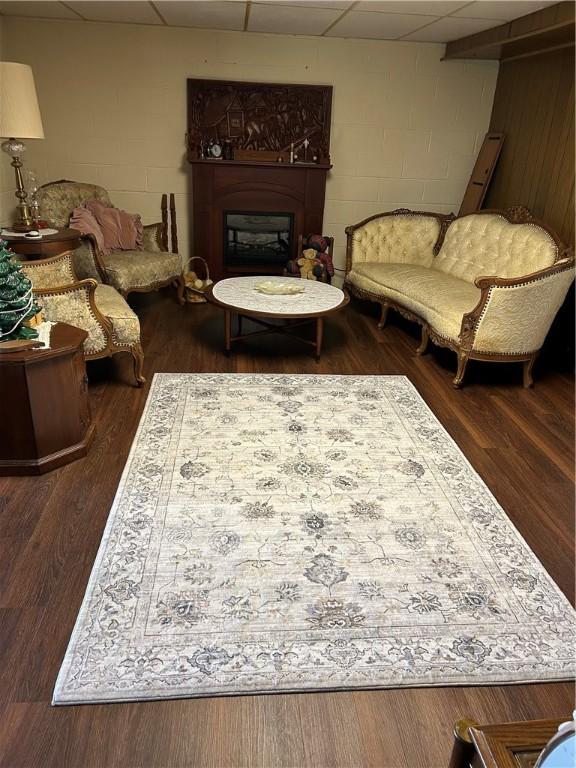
(253, 238)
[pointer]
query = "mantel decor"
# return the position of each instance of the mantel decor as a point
(270, 122)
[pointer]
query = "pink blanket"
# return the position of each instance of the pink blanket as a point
(121, 231)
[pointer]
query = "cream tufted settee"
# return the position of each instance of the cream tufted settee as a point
(487, 285)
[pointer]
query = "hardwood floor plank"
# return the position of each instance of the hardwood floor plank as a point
(520, 442)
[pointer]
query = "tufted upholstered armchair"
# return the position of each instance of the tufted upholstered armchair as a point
(95, 307)
(128, 271)
(487, 285)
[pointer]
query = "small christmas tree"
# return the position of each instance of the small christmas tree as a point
(16, 299)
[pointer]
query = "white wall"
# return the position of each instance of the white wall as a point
(405, 131)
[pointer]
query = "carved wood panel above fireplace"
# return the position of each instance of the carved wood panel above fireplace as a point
(281, 200)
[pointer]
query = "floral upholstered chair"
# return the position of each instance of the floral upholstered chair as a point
(97, 308)
(131, 270)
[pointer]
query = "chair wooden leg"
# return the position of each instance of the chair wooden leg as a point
(462, 363)
(138, 355)
(423, 342)
(527, 370)
(383, 314)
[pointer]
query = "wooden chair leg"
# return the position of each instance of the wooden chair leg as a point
(527, 366)
(138, 355)
(423, 342)
(383, 314)
(462, 363)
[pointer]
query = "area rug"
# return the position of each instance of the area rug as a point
(289, 533)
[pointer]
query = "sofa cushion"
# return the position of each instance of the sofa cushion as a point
(438, 298)
(124, 321)
(399, 238)
(485, 244)
(129, 270)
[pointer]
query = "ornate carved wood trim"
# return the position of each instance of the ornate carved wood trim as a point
(265, 117)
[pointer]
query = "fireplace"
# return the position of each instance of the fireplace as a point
(292, 193)
(251, 202)
(257, 239)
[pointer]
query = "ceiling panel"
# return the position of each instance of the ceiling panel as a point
(424, 7)
(340, 5)
(450, 28)
(208, 15)
(501, 10)
(116, 10)
(290, 20)
(377, 26)
(41, 10)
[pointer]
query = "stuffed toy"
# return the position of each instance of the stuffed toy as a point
(307, 264)
(322, 247)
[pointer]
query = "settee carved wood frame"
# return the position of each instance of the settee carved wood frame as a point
(463, 348)
(88, 286)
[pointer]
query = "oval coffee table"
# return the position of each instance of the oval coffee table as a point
(238, 296)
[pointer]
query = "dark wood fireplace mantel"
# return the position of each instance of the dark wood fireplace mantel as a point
(256, 124)
(236, 185)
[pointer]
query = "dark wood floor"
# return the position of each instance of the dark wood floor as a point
(520, 441)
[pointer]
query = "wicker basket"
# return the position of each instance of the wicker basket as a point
(196, 286)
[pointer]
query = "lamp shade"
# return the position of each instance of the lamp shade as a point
(19, 111)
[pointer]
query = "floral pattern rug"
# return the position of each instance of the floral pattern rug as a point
(290, 533)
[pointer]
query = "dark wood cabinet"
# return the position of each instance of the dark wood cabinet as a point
(501, 745)
(44, 409)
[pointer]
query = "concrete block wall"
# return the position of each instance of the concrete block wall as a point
(406, 126)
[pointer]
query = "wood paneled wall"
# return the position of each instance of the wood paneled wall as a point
(534, 107)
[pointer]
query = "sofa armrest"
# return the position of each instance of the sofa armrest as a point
(396, 236)
(514, 315)
(75, 304)
(90, 258)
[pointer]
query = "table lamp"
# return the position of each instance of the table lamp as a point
(19, 119)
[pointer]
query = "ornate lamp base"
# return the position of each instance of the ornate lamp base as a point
(15, 148)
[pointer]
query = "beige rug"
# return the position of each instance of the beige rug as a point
(291, 533)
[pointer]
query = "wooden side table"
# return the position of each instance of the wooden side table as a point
(502, 745)
(49, 245)
(44, 410)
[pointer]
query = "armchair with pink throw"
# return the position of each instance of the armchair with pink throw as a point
(150, 265)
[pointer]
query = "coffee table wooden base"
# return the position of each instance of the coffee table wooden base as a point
(286, 328)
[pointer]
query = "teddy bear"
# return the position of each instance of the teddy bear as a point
(307, 263)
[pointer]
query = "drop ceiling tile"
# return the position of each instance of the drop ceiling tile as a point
(504, 10)
(204, 14)
(424, 7)
(450, 28)
(290, 20)
(42, 10)
(377, 26)
(340, 5)
(116, 10)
